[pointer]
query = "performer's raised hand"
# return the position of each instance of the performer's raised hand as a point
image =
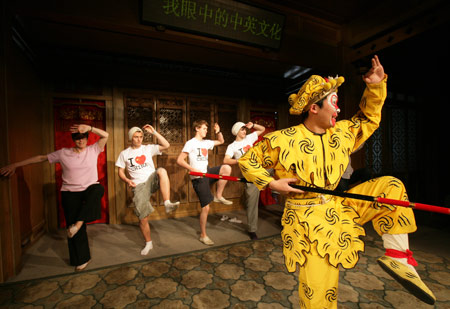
(148, 128)
(376, 72)
(80, 128)
(249, 125)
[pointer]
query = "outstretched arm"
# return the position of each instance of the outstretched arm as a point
(163, 143)
(10, 169)
(83, 128)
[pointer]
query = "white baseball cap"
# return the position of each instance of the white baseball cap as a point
(132, 131)
(236, 127)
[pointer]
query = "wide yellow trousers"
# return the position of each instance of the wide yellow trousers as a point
(318, 248)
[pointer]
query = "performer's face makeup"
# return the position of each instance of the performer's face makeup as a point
(136, 140)
(331, 101)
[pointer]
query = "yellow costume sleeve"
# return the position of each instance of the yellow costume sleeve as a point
(368, 118)
(254, 163)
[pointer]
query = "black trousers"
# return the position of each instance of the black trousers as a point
(81, 206)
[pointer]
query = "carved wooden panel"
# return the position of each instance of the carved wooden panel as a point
(171, 125)
(200, 109)
(171, 118)
(140, 111)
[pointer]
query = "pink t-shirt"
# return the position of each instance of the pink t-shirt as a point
(79, 170)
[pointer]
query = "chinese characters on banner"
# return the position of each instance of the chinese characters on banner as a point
(228, 19)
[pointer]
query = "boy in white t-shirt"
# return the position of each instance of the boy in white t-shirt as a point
(235, 150)
(144, 178)
(197, 151)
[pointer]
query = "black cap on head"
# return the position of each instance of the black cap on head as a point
(78, 135)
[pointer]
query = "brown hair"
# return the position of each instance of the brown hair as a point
(199, 123)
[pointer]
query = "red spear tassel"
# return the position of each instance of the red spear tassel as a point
(382, 200)
(420, 206)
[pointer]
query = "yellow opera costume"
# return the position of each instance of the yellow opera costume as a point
(321, 232)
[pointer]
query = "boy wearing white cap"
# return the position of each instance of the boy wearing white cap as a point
(235, 150)
(144, 178)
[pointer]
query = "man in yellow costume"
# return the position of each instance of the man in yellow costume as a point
(321, 232)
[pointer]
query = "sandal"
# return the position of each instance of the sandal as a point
(224, 218)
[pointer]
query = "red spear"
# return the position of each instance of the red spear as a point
(382, 200)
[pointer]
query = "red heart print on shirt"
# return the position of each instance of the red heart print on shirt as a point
(140, 160)
(204, 152)
(246, 148)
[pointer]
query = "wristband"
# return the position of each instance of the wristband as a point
(218, 132)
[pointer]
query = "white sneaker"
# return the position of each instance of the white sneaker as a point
(206, 240)
(222, 200)
(235, 220)
(171, 207)
(147, 248)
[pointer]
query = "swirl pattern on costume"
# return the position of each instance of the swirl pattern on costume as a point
(289, 131)
(307, 291)
(289, 217)
(306, 146)
(356, 120)
(267, 162)
(385, 223)
(334, 141)
(344, 240)
(287, 242)
(331, 294)
(331, 216)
